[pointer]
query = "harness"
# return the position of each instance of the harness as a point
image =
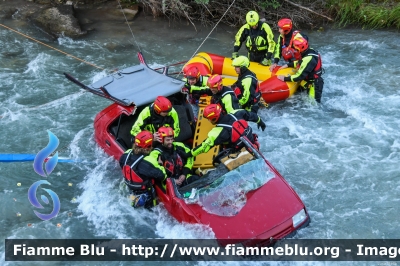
(241, 128)
(255, 43)
(317, 71)
(172, 163)
(257, 94)
(157, 123)
(132, 180)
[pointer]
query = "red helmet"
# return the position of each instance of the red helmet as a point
(192, 72)
(162, 104)
(212, 112)
(165, 132)
(215, 81)
(144, 139)
(289, 53)
(300, 44)
(285, 24)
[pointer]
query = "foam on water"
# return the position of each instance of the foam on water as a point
(99, 206)
(37, 65)
(167, 227)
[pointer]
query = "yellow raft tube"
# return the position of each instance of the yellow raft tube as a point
(272, 89)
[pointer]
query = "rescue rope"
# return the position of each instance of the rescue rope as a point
(210, 32)
(134, 39)
(67, 54)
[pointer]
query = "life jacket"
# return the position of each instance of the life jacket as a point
(317, 71)
(132, 180)
(254, 97)
(255, 42)
(288, 52)
(241, 128)
(157, 121)
(257, 94)
(172, 163)
(217, 98)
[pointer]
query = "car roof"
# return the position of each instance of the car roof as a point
(136, 85)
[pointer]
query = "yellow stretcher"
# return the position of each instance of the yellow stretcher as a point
(204, 161)
(203, 126)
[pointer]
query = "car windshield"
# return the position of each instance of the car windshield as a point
(226, 196)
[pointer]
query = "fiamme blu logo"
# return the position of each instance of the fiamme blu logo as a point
(43, 166)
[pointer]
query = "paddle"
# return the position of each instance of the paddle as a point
(9, 158)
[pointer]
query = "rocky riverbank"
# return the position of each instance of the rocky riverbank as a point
(65, 18)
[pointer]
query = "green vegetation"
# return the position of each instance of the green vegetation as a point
(361, 13)
(275, 4)
(128, 2)
(368, 14)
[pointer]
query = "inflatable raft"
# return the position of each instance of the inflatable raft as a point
(272, 89)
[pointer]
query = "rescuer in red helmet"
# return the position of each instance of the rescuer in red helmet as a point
(222, 95)
(158, 114)
(172, 156)
(309, 69)
(141, 169)
(284, 46)
(222, 132)
(195, 83)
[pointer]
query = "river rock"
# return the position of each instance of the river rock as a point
(59, 21)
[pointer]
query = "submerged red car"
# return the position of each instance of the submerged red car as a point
(252, 205)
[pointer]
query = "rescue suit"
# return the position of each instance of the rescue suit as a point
(285, 44)
(309, 73)
(221, 134)
(259, 42)
(149, 120)
(140, 173)
(196, 90)
(175, 162)
(226, 98)
(247, 90)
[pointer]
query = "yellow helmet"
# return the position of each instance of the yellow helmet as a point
(241, 61)
(252, 18)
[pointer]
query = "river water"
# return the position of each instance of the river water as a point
(341, 157)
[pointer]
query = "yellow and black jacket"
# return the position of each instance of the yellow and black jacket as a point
(259, 40)
(149, 120)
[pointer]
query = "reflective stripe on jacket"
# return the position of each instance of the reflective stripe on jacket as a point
(307, 66)
(221, 134)
(149, 120)
(260, 39)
